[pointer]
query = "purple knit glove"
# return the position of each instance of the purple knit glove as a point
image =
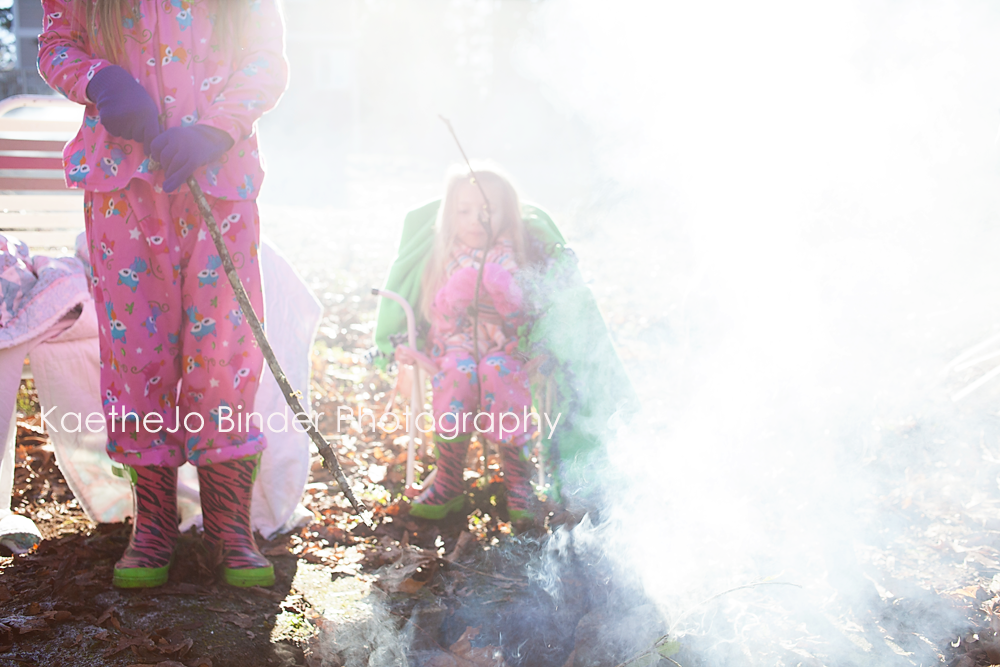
(126, 109)
(181, 150)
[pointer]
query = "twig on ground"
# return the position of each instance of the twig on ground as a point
(727, 592)
(485, 574)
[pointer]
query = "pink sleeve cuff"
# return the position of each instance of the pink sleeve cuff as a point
(78, 93)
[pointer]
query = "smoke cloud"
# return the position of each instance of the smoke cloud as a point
(796, 206)
(788, 214)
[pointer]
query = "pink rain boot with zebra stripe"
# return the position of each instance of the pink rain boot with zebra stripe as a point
(147, 558)
(517, 469)
(447, 494)
(226, 491)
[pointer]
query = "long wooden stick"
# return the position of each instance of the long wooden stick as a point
(486, 220)
(290, 394)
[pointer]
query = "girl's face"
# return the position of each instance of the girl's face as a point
(468, 209)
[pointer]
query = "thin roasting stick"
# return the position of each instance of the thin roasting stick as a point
(962, 393)
(972, 350)
(291, 395)
(486, 220)
(976, 361)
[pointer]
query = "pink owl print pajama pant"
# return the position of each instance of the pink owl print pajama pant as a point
(176, 350)
(468, 399)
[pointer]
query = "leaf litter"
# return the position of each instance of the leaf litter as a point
(448, 583)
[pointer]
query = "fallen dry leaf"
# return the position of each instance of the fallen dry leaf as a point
(57, 615)
(968, 592)
(180, 648)
(411, 571)
(108, 613)
(465, 540)
(238, 619)
(464, 655)
(277, 550)
(85, 579)
(128, 642)
(143, 604)
(27, 625)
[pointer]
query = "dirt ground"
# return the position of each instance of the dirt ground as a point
(468, 592)
(56, 607)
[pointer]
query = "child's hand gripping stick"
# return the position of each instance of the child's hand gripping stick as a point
(126, 109)
(290, 394)
(181, 150)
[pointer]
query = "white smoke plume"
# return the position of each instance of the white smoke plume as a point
(796, 206)
(788, 213)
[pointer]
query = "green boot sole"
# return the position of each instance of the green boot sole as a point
(437, 512)
(258, 576)
(140, 577)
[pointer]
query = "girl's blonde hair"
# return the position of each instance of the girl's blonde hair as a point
(105, 17)
(510, 225)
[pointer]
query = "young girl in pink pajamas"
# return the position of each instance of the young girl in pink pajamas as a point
(475, 387)
(172, 89)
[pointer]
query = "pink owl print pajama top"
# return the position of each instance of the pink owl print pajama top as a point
(175, 346)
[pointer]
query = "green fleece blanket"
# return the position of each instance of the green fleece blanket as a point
(590, 392)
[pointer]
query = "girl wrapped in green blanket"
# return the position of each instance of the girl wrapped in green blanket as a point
(536, 320)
